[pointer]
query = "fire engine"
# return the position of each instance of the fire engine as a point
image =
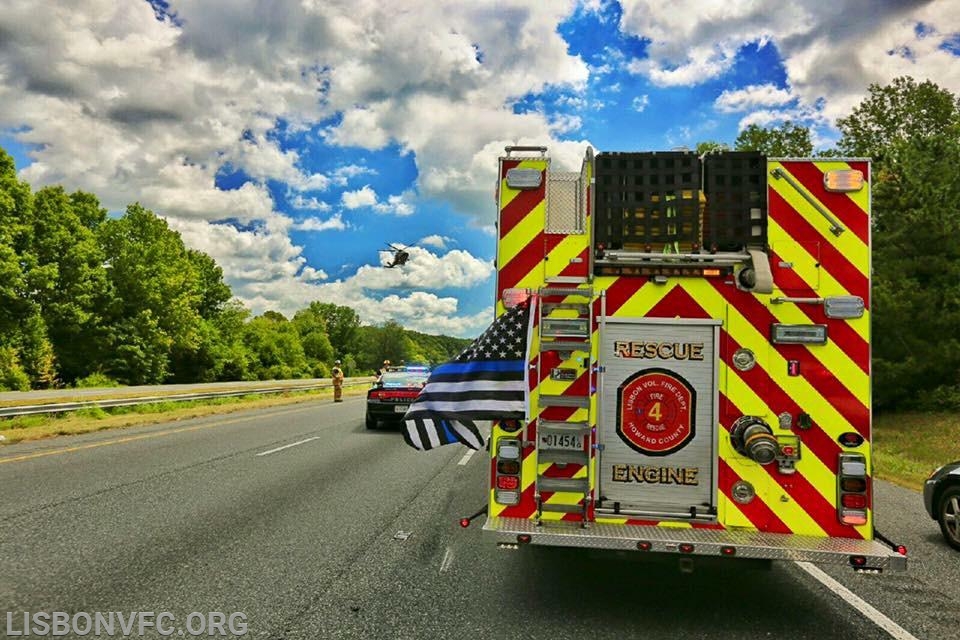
(699, 372)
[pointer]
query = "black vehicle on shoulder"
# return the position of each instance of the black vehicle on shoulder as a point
(941, 497)
(392, 393)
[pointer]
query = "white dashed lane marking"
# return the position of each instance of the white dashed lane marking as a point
(466, 457)
(287, 446)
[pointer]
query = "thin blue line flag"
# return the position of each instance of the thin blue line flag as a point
(487, 381)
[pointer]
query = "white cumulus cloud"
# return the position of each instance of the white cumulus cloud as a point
(363, 197)
(752, 97)
(828, 55)
(334, 222)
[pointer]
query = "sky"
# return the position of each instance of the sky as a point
(292, 140)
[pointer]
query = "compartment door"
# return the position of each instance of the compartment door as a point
(658, 417)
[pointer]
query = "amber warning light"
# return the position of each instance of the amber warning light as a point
(843, 180)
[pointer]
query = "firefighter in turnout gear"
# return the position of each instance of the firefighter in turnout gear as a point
(336, 375)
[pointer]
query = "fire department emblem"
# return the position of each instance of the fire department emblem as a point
(655, 410)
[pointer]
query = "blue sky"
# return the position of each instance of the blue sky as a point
(292, 142)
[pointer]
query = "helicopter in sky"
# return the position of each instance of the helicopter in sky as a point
(400, 256)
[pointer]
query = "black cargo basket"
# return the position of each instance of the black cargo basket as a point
(648, 201)
(735, 184)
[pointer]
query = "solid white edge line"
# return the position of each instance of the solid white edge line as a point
(286, 446)
(855, 601)
(466, 457)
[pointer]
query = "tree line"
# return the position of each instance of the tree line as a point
(90, 300)
(85, 297)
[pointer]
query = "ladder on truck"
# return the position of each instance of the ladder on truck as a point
(566, 327)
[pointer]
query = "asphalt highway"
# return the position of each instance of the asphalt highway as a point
(310, 526)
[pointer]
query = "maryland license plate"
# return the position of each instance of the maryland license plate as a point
(400, 408)
(561, 441)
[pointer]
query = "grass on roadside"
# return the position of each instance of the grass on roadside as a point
(908, 446)
(26, 428)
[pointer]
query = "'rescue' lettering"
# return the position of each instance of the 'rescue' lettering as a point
(662, 350)
(656, 475)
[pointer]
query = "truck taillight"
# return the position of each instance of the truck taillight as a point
(853, 484)
(507, 475)
(508, 467)
(853, 517)
(852, 489)
(510, 483)
(854, 501)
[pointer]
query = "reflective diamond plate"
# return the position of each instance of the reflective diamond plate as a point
(749, 544)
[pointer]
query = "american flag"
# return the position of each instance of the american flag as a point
(487, 381)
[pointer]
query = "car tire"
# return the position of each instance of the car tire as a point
(371, 422)
(948, 515)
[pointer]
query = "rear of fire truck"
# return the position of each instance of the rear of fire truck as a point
(699, 374)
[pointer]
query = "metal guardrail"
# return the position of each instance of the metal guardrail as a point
(106, 403)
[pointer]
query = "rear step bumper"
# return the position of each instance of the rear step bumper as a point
(704, 542)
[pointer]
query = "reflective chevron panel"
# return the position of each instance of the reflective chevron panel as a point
(818, 247)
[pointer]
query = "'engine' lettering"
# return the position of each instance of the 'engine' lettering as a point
(661, 350)
(656, 475)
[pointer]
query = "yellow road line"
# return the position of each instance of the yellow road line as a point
(144, 436)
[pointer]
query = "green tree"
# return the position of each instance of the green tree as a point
(901, 110)
(12, 375)
(711, 145)
(24, 280)
(36, 353)
(787, 140)
(342, 325)
(389, 341)
(916, 300)
(87, 208)
(141, 348)
(151, 276)
(234, 362)
(275, 349)
(212, 293)
(435, 349)
(64, 243)
(204, 357)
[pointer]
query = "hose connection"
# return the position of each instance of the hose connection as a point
(753, 438)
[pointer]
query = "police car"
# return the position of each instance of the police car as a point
(392, 393)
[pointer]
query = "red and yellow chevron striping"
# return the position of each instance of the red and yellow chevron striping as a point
(827, 385)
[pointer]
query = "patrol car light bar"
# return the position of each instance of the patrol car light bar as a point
(798, 333)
